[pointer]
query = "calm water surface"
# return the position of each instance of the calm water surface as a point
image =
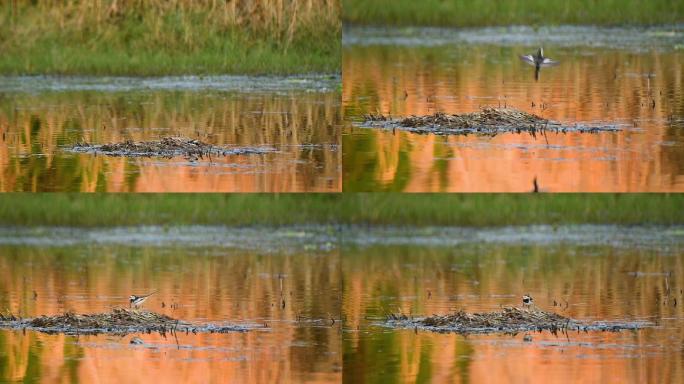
(205, 279)
(630, 78)
(593, 273)
(299, 117)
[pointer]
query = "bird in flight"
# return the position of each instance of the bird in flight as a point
(539, 61)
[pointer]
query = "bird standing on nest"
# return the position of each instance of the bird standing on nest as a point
(528, 301)
(539, 61)
(135, 301)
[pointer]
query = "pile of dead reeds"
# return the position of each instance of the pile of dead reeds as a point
(509, 320)
(165, 147)
(119, 321)
(119, 317)
(487, 121)
(486, 117)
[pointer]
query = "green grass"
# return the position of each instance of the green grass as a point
(397, 209)
(170, 209)
(58, 57)
(471, 13)
(158, 39)
(511, 209)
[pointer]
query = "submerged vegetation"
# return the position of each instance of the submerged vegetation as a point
(155, 37)
(472, 13)
(488, 121)
(509, 320)
(120, 321)
(395, 209)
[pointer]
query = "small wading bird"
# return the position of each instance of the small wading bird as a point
(135, 301)
(538, 61)
(528, 301)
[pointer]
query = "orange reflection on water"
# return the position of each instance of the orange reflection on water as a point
(302, 127)
(208, 285)
(589, 86)
(595, 281)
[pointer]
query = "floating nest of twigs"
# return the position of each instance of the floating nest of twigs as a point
(487, 121)
(120, 321)
(166, 147)
(510, 320)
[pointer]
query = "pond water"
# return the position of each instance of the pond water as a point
(592, 273)
(632, 78)
(300, 117)
(242, 276)
(206, 279)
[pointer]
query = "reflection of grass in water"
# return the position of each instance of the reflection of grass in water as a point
(376, 209)
(94, 278)
(454, 74)
(41, 170)
(359, 161)
(371, 367)
(400, 277)
(487, 12)
(362, 164)
(160, 37)
(229, 118)
(381, 278)
(46, 122)
(464, 71)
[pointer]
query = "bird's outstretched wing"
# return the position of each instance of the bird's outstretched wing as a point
(528, 59)
(549, 63)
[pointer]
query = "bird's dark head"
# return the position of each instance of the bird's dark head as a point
(540, 52)
(131, 298)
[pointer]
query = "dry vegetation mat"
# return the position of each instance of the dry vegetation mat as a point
(510, 320)
(120, 321)
(167, 147)
(487, 121)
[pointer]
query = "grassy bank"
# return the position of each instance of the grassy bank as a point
(364, 209)
(470, 13)
(162, 37)
(511, 209)
(176, 209)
